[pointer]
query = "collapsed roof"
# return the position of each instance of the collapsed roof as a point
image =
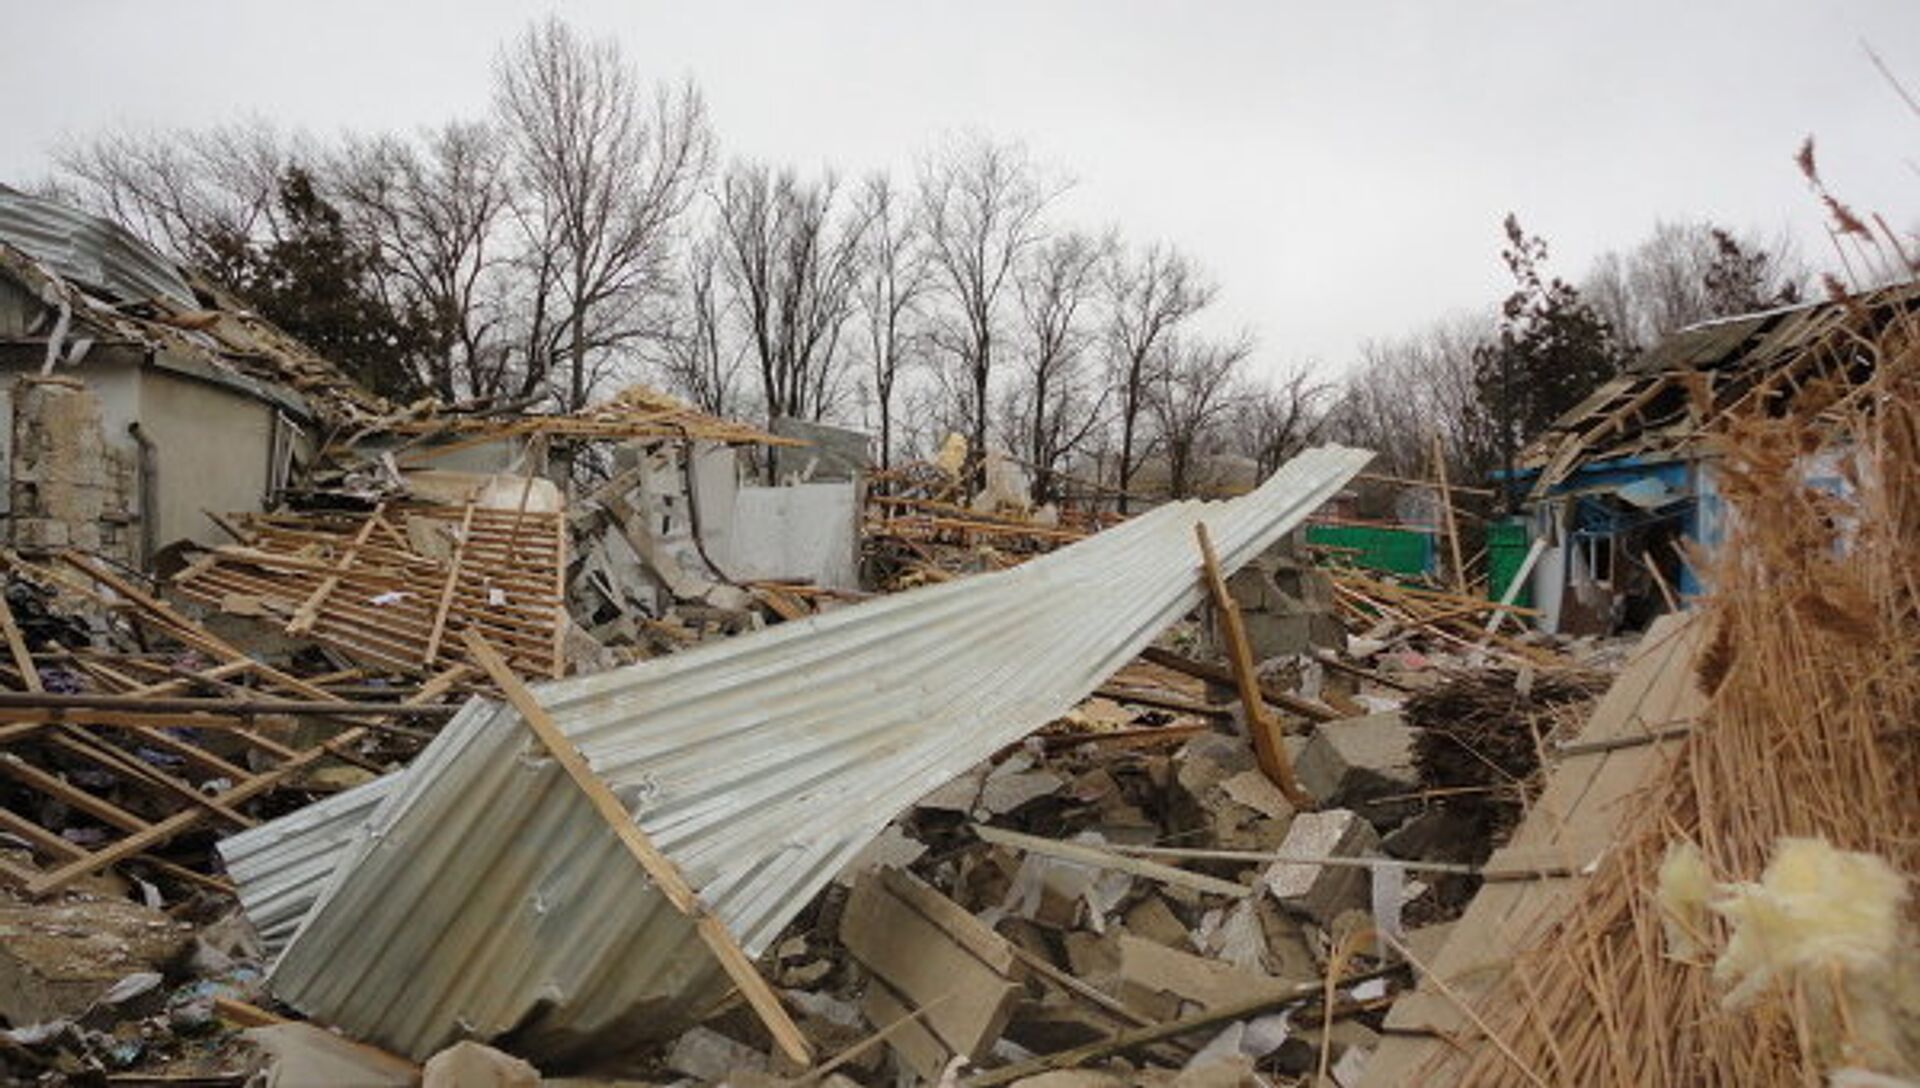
(100, 284)
(1660, 405)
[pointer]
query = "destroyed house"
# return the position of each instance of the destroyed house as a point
(1621, 486)
(136, 396)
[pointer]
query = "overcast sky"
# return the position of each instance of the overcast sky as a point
(1341, 169)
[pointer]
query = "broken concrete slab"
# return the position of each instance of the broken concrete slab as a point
(705, 1054)
(1256, 791)
(469, 1064)
(891, 849)
(1321, 892)
(309, 1056)
(1204, 981)
(58, 958)
(1153, 919)
(1355, 761)
(925, 952)
(1236, 937)
(1013, 784)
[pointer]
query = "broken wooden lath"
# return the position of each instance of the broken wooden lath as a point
(160, 744)
(636, 414)
(396, 586)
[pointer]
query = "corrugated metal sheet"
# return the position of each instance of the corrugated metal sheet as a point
(484, 898)
(280, 867)
(90, 250)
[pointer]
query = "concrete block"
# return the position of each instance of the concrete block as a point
(1278, 634)
(705, 1054)
(1321, 892)
(1356, 760)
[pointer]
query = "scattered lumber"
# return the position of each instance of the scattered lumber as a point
(390, 585)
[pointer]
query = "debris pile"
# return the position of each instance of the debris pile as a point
(1481, 735)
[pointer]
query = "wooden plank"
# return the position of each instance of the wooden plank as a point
(659, 868)
(1201, 670)
(134, 770)
(45, 841)
(1252, 1005)
(1106, 859)
(1446, 510)
(1267, 749)
(53, 786)
(432, 656)
(781, 604)
(1163, 700)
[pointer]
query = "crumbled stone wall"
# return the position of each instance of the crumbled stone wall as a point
(69, 487)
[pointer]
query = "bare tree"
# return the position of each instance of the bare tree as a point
(791, 252)
(701, 359)
(1277, 419)
(1404, 391)
(895, 278)
(982, 203)
(183, 189)
(1149, 298)
(1688, 272)
(1055, 409)
(1193, 388)
(433, 212)
(602, 175)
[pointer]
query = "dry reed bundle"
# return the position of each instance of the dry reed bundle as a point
(1812, 729)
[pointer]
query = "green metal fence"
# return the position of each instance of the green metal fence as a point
(1506, 550)
(1392, 551)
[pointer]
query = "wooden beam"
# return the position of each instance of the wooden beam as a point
(1267, 749)
(154, 834)
(1164, 700)
(432, 656)
(1083, 854)
(1201, 670)
(1446, 510)
(659, 868)
(89, 700)
(17, 646)
(1254, 1005)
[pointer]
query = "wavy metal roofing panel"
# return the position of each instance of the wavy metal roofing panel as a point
(89, 249)
(485, 898)
(280, 866)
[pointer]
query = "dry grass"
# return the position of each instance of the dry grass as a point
(1812, 729)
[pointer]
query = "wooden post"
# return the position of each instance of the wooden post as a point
(659, 868)
(1267, 749)
(1445, 495)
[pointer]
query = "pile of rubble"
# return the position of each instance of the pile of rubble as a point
(818, 845)
(1128, 891)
